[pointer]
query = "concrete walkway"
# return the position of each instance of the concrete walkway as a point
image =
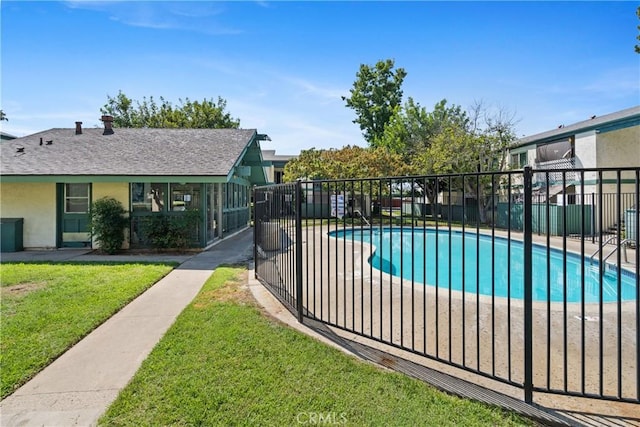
(79, 386)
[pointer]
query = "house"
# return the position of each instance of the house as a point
(575, 177)
(49, 179)
(274, 165)
(607, 142)
(612, 140)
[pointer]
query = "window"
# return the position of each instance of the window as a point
(185, 197)
(148, 196)
(76, 198)
(519, 160)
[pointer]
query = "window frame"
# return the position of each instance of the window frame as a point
(68, 198)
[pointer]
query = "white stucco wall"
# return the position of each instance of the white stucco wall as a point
(585, 150)
(269, 172)
(36, 203)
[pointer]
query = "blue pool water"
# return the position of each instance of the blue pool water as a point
(412, 253)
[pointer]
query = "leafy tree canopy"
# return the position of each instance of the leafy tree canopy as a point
(411, 129)
(479, 144)
(149, 113)
(348, 162)
(447, 140)
(3, 116)
(476, 141)
(375, 95)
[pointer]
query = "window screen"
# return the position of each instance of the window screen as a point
(76, 198)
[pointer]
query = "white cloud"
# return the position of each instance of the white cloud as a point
(264, 4)
(311, 88)
(192, 16)
(292, 130)
(221, 65)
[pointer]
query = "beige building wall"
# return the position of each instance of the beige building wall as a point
(614, 149)
(36, 203)
(619, 148)
(118, 190)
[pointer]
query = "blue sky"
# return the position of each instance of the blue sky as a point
(283, 66)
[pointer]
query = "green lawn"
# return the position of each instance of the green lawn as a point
(47, 307)
(224, 362)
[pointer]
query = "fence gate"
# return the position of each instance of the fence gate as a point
(277, 251)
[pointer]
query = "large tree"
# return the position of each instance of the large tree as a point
(149, 113)
(478, 145)
(375, 95)
(411, 131)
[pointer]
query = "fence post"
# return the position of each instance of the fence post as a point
(528, 286)
(256, 226)
(593, 218)
(298, 204)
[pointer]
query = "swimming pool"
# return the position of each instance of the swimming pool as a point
(412, 253)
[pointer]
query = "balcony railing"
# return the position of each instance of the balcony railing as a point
(554, 177)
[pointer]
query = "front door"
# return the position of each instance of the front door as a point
(74, 201)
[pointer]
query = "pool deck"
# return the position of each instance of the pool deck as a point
(442, 325)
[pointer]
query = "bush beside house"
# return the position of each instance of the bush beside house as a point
(108, 224)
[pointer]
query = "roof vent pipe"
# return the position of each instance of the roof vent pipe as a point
(108, 125)
(78, 128)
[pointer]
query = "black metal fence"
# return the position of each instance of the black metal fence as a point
(532, 283)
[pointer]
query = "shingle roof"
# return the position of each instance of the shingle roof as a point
(583, 126)
(156, 152)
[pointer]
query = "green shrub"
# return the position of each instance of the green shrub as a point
(108, 223)
(175, 231)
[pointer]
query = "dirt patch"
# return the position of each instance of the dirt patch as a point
(21, 289)
(387, 362)
(233, 291)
